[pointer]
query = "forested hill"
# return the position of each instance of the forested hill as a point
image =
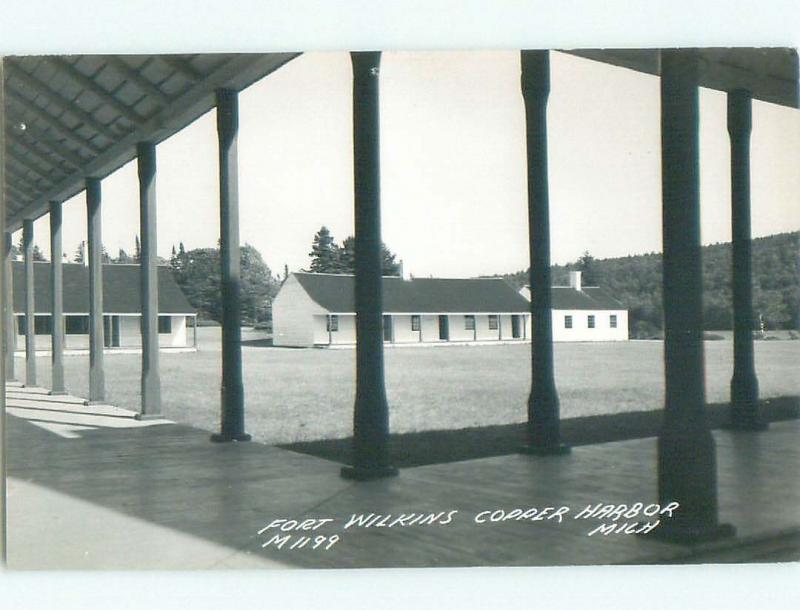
(636, 281)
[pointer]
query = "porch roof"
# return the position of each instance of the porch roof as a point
(72, 117)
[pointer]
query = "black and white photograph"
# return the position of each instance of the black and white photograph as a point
(357, 308)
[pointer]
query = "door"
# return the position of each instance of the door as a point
(115, 331)
(516, 332)
(388, 330)
(444, 328)
(106, 331)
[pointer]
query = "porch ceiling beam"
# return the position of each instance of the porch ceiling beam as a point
(132, 76)
(21, 160)
(18, 191)
(239, 72)
(182, 66)
(71, 72)
(20, 175)
(37, 135)
(39, 87)
(51, 121)
(30, 149)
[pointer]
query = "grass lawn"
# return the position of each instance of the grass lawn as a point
(307, 394)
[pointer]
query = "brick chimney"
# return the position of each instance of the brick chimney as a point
(575, 280)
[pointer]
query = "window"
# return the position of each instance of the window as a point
(333, 324)
(612, 321)
(164, 325)
(415, 323)
(41, 325)
(567, 321)
(77, 325)
(492, 322)
(591, 321)
(469, 322)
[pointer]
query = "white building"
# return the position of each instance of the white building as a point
(318, 309)
(585, 313)
(121, 307)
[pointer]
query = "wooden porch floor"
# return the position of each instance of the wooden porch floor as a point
(92, 488)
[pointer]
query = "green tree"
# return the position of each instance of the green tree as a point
(38, 255)
(258, 286)
(197, 272)
(347, 258)
(80, 253)
(123, 258)
(324, 253)
(200, 281)
(585, 264)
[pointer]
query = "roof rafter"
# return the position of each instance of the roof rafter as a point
(13, 165)
(80, 79)
(181, 65)
(138, 80)
(19, 191)
(26, 163)
(31, 149)
(39, 136)
(51, 121)
(41, 88)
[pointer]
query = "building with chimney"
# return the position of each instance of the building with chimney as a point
(585, 313)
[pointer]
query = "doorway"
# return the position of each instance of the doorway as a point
(388, 329)
(444, 328)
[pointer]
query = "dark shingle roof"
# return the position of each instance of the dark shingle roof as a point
(589, 297)
(419, 295)
(121, 292)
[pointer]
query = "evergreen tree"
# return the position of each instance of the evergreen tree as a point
(137, 250)
(123, 258)
(38, 255)
(585, 264)
(80, 253)
(324, 253)
(347, 258)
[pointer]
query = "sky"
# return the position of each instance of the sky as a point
(453, 187)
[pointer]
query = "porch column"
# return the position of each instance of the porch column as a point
(744, 383)
(232, 391)
(148, 274)
(97, 385)
(543, 432)
(686, 454)
(56, 301)
(30, 317)
(371, 410)
(9, 320)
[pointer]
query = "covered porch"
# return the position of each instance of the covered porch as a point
(56, 147)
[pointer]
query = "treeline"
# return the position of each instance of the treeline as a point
(636, 282)
(81, 252)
